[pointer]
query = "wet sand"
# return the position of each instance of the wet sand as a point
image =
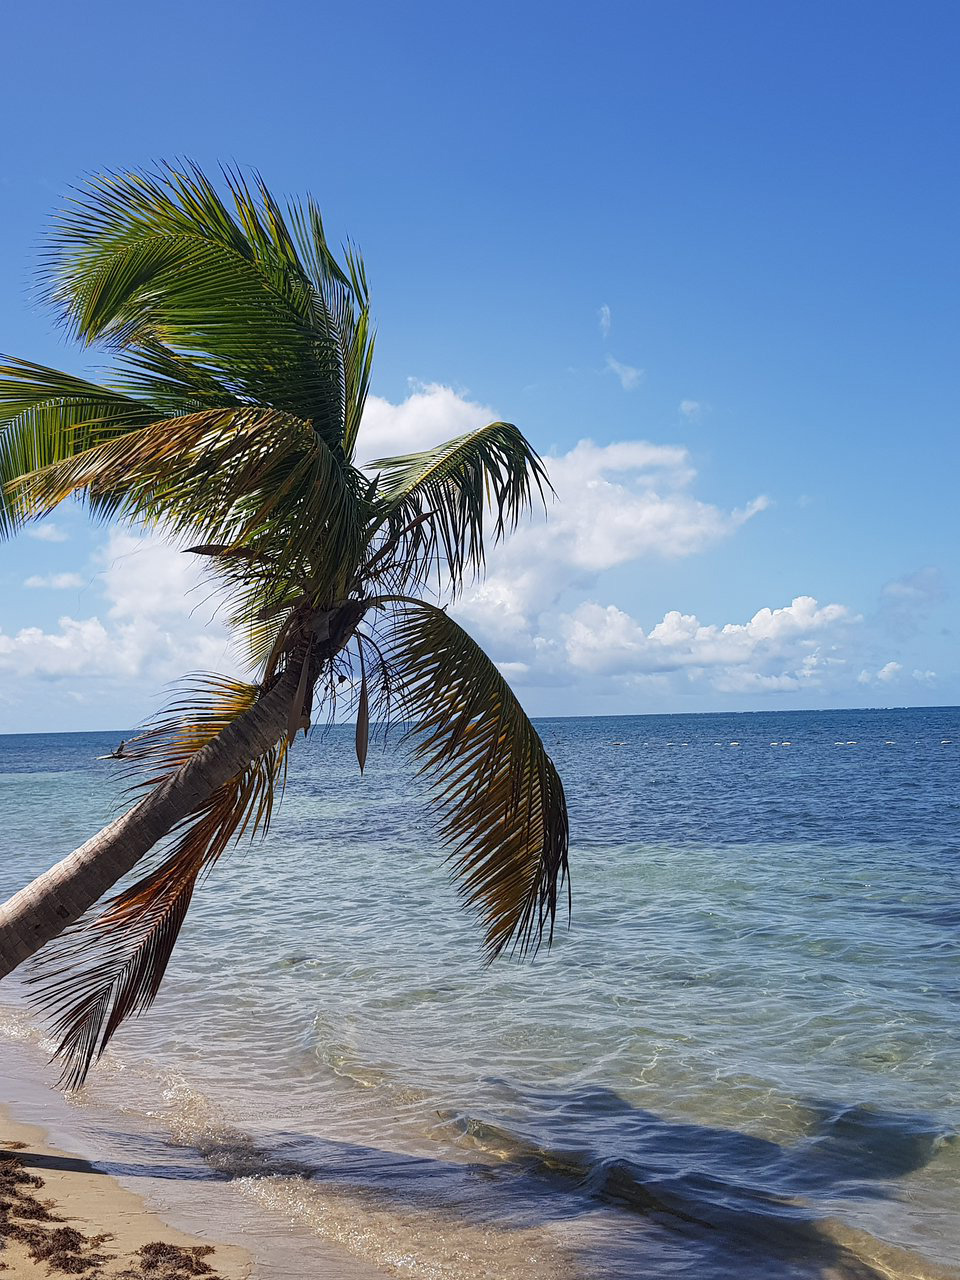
(61, 1216)
(103, 1174)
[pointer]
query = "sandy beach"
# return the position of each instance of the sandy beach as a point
(59, 1215)
(103, 1175)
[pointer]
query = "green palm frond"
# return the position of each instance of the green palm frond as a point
(434, 503)
(109, 968)
(245, 479)
(498, 797)
(346, 310)
(142, 261)
(191, 295)
(174, 381)
(47, 417)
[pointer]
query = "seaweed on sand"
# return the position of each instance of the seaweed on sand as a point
(65, 1250)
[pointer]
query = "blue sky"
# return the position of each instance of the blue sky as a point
(717, 241)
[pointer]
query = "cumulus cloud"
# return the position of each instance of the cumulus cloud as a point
(430, 414)
(630, 378)
(691, 410)
(541, 608)
(605, 319)
(888, 672)
(513, 670)
(78, 647)
(151, 577)
(775, 649)
(157, 621)
(54, 581)
(620, 502)
(617, 503)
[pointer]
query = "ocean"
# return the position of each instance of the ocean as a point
(742, 1059)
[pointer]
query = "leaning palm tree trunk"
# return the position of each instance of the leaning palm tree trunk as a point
(59, 897)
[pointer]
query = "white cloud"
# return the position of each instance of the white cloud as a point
(77, 648)
(541, 608)
(513, 670)
(55, 581)
(888, 672)
(743, 681)
(616, 503)
(47, 532)
(605, 319)
(150, 577)
(691, 410)
(775, 649)
(630, 378)
(430, 414)
(157, 623)
(623, 501)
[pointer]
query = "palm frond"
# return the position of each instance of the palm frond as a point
(247, 478)
(47, 417)
(346, 311)
(175, 381)
(434, 503)
(149, 261)
(109, 968)
(498, 797)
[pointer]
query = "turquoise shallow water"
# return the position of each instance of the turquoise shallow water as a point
(740, 1061)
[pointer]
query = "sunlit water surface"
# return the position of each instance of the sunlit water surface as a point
(741, 1061)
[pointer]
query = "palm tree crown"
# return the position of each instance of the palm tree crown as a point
(241, 352)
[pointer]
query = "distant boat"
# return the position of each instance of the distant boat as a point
(117, 753)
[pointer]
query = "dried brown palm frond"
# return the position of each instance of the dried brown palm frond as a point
(109, 967)
(498, 798)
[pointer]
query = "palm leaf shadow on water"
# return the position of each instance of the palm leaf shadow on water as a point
(659, 1197)
(746, 1205)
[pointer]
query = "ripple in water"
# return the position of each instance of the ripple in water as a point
(740, 1063)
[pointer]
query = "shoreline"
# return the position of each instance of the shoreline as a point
(62, 1215)
(106, 1175)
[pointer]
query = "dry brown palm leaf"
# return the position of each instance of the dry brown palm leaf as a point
(109, 967)
(498, 797)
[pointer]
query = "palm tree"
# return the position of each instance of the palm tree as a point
(241, 354)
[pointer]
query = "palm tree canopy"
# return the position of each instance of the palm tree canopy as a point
(240, 354)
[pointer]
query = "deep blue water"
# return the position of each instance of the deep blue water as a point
(741, 1060)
